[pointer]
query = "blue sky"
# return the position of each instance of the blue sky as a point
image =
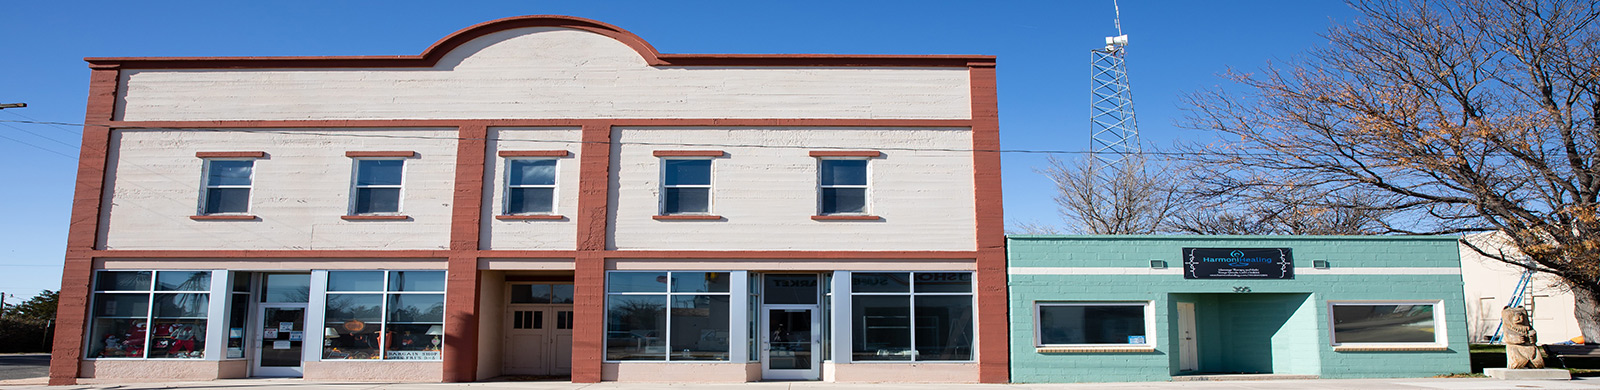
(1043, 49)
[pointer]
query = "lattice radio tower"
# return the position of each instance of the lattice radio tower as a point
(1113, 132)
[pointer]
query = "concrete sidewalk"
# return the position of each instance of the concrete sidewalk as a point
(1362, 384)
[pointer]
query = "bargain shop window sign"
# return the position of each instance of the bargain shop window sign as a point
(1238, 263)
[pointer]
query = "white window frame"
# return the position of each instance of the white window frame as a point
(711, 176)
(735, 319)
(1440, 328)
(1149, 323)
(206, 186)
(866, 201)
(383, 323)
(355, 187)
(555, 198)
(911, 292)
(210, 354)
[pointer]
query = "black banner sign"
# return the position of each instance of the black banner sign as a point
(1238, 263)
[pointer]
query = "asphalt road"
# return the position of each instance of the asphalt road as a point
(21, 366)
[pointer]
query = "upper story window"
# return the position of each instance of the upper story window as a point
(227, 186)
(842, 187)
(530, 186)
(377, 186)
(685, 186)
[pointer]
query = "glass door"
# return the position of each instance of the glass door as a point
(790, 343)
(281, 340)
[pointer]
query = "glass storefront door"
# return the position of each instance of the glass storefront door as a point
(790, 343)
(282, 339)
(280, 325)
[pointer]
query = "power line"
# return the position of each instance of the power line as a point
(73, 147)
(38, 147)
(68, 129)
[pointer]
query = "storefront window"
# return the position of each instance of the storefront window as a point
(667, 316)
(125, 326)
(911, 316)
(1412, 322)
(1119, 324)
(384, 315)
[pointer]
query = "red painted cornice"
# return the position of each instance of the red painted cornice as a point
(439, 49)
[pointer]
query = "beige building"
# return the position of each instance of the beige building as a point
(1490, 285)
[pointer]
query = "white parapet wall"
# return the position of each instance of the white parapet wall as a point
(544, 72)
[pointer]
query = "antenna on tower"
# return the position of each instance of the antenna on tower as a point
(1113, 132)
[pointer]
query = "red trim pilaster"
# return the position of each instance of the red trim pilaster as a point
(994, 333)
(589, 274)
(460, 349)
(83, 235)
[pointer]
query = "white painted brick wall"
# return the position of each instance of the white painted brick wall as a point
(299, 192)
(541, 234)
(768, 195)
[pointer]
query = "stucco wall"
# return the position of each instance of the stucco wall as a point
(1117, 268)
(1489, 285)
(767, 195)
(112, 370)
(491, 323)
(532, 234)
(544, 73)
(299, 192)
(375, 371)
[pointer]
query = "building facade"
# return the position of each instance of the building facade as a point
(1490, 285)
(539, 195)
(1158, 308)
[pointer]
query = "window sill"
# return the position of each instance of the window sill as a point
(1131, 349)
(375, 217)
(1389, 348)
(846, 218)
(224, 217)
(530, 217)
(692, 217)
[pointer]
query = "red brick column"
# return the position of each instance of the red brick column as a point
(994, 332)
(460, 350)
(589, 306)
(83, 234)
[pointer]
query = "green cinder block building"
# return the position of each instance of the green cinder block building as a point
(1155, 308)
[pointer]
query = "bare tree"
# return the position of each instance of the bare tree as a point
(1129, 200)
(1468, 115)
(1287, 209)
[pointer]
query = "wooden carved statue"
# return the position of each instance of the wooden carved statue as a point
(1522, 350)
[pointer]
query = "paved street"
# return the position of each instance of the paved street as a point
(1363, 384)
(20, 366)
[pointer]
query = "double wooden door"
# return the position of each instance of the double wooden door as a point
(538, 339)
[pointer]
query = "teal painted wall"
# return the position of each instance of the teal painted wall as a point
(1280, 326)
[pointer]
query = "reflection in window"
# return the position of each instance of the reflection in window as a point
(646, 321)
(1091, 323)
(530, 186)
(1384, 323)
(541, 293)
(891, 322)
(685, 186)
(131, 320)
(384, 315)
(842, 186)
